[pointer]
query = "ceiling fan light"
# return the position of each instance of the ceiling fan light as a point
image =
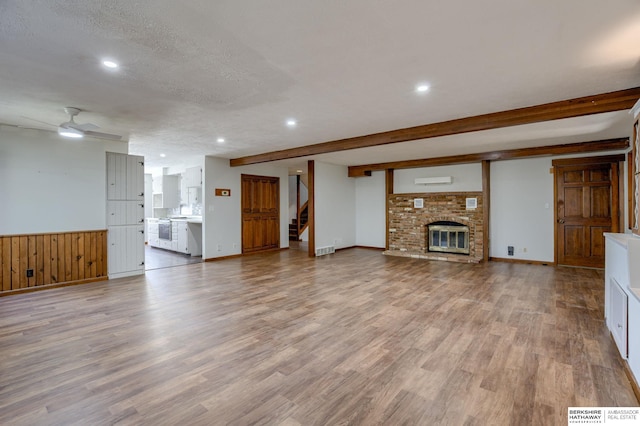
(69, 132)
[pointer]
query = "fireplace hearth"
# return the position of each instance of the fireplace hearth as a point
(448, 237)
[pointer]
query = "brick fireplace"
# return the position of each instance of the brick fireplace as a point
(408, 225)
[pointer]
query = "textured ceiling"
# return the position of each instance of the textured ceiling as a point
(195, 71)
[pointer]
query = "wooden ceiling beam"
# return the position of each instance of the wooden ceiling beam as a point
(587, 105)
(572, 148)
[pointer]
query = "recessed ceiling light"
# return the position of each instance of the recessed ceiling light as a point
(163, 155)
(421, 88)
(110, 64)
(220, 140)
(291, 122)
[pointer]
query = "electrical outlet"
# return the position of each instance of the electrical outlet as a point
(510, 250)
(235, 246)
(219, 247)
(524, 250)
(29, 273)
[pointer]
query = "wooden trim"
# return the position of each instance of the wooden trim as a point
(486, 199)
(588, 160)
(632, 380)
(621, 196)
(388, 182)
(298, 205)
(231, 256)
(521, 261)
(615, 197)
(380, 249)
(52, 233)
(555, 215)
(577, 107)
(634, 220)
(563, 149)
(631, 200)
(362, 247)
(51, 286)
(311, 176)
(54, 258)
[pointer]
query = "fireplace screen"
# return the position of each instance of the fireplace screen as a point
(448, 237)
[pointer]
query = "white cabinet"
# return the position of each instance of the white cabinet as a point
(192, 177)
(194, 195)
(622, 296)
(153, 232)
(618, 303)
(125, 177)
(191, 180)
(125, 214)
(186, 236)
(633, 333)
(174, 235)
(166, 192)
(126, 250)
(194, 238)
(182, 237)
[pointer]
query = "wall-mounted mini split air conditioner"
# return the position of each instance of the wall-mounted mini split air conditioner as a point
(433, 180)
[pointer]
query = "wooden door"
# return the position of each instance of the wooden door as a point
(260, 213)
(587, 205)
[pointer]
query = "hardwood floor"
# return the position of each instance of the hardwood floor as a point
(156, 258)
(350, 338)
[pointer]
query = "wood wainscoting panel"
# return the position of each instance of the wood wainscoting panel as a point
(52, 259)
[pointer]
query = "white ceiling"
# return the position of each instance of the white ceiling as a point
(195, 71)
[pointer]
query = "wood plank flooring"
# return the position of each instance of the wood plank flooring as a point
(157, 258)
(350, 338)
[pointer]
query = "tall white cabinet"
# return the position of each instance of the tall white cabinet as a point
(125, 214)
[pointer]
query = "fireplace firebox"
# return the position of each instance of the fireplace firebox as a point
(448, 237)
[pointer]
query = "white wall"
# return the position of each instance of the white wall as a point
(370, 210)
(221, 216)
(522, 209)
(52, 184)
(466, 177)
(334, 202)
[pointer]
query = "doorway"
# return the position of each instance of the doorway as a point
(587, 205)
(260, 213)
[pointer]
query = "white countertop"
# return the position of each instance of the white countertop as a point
(631, 243)
(622, 239)
(188, 219)
(197, 220)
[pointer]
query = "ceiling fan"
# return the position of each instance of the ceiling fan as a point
(72, 129)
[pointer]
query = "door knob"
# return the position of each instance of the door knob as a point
(560, 220)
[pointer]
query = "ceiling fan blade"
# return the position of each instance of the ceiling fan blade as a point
(85, 126)
(101, 135)
(38, 121)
